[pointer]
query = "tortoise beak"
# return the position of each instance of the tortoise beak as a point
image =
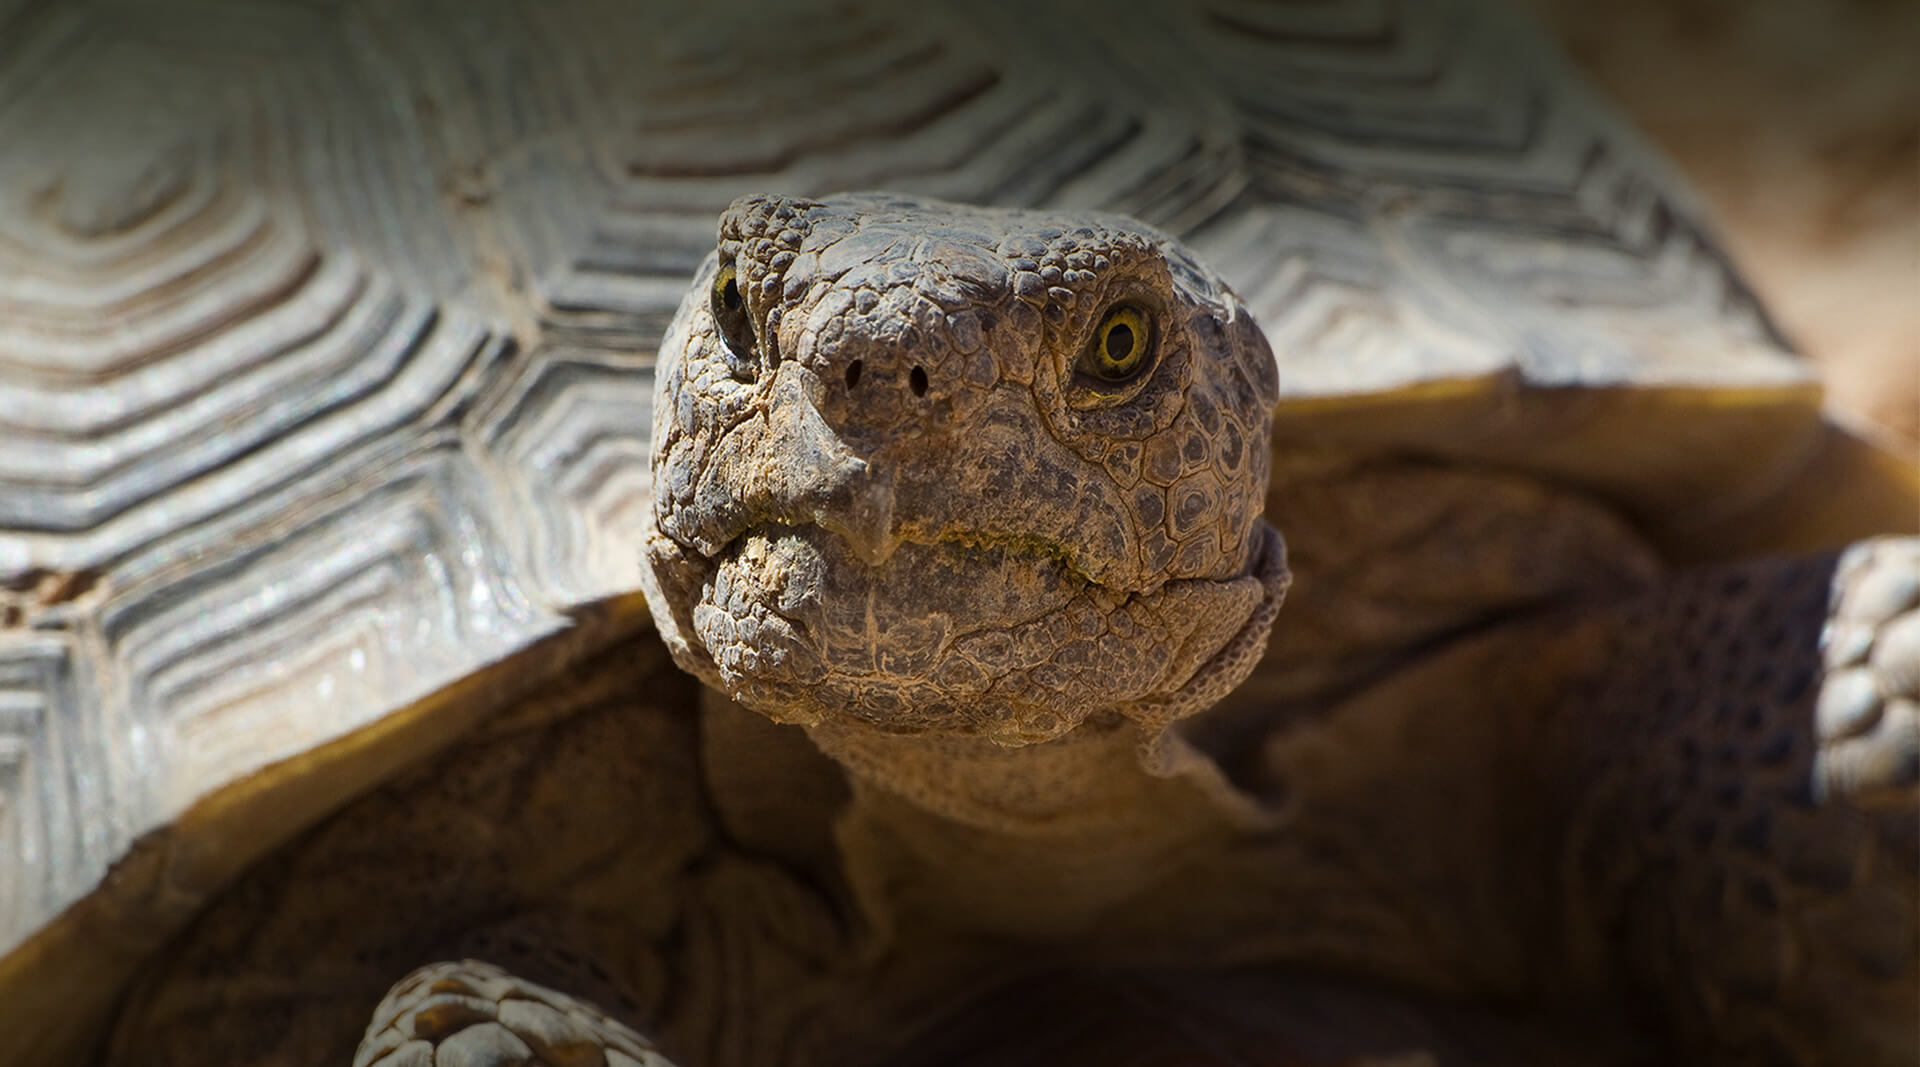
(839, 491)
(861, 512)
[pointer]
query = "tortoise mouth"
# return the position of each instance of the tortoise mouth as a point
(892, 617)
(1002, 641)
(935, 638)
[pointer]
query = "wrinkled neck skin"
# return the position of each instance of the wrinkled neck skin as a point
(1082, 785)
(1034, 841)
(1043, 839)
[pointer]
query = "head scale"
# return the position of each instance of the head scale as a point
(938, 468)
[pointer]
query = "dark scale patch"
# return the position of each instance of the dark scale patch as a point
(1732, 673)
(1779, 747)
(1205, 412)
(1710, 903)
(1194, 451)
(1690, 763)
(1798, 682)
(1230, 445)
(1194, 505)
(1669, 703)
(1761, 895)
(1702, 833)
(1693, 660)
(1799, 791)
(1660, 816)
(1754, 834)
(1729, 794)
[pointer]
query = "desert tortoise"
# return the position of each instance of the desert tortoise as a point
(326, 441)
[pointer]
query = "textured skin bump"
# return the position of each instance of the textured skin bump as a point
(1868, 712)
(471, 1014)
(907, 506)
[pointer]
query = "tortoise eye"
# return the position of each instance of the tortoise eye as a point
(730, 315)
(1120, 347)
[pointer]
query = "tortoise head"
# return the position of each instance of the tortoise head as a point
(961, 470)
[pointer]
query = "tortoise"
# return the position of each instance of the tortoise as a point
(329, 341)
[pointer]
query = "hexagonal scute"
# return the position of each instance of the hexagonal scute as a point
(326, 336)
(573, 433)
(51, 828)
(254, 552)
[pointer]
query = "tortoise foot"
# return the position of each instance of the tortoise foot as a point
(1868, 714)
(475, 1014)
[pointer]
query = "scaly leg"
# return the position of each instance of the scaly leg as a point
(477, 1015)
(1705, 793)
(1751, 829)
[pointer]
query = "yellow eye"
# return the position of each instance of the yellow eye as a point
(730, 316)
(1120, 345)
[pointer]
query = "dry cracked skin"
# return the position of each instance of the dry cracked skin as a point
(1030, 450)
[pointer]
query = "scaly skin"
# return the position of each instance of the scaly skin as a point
(911, 506)
(898, 505)
(897, 502)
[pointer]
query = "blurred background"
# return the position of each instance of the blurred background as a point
(1799, 120)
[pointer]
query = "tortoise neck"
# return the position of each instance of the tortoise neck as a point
(1040, 789)
(1037, 840)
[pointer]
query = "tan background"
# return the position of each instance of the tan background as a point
(1800, 121)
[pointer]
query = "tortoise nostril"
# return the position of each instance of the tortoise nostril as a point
(853, 374)
(917, 381)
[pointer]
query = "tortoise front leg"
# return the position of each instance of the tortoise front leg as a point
(478, 1015)
(1753, 824)
(1704, 795)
